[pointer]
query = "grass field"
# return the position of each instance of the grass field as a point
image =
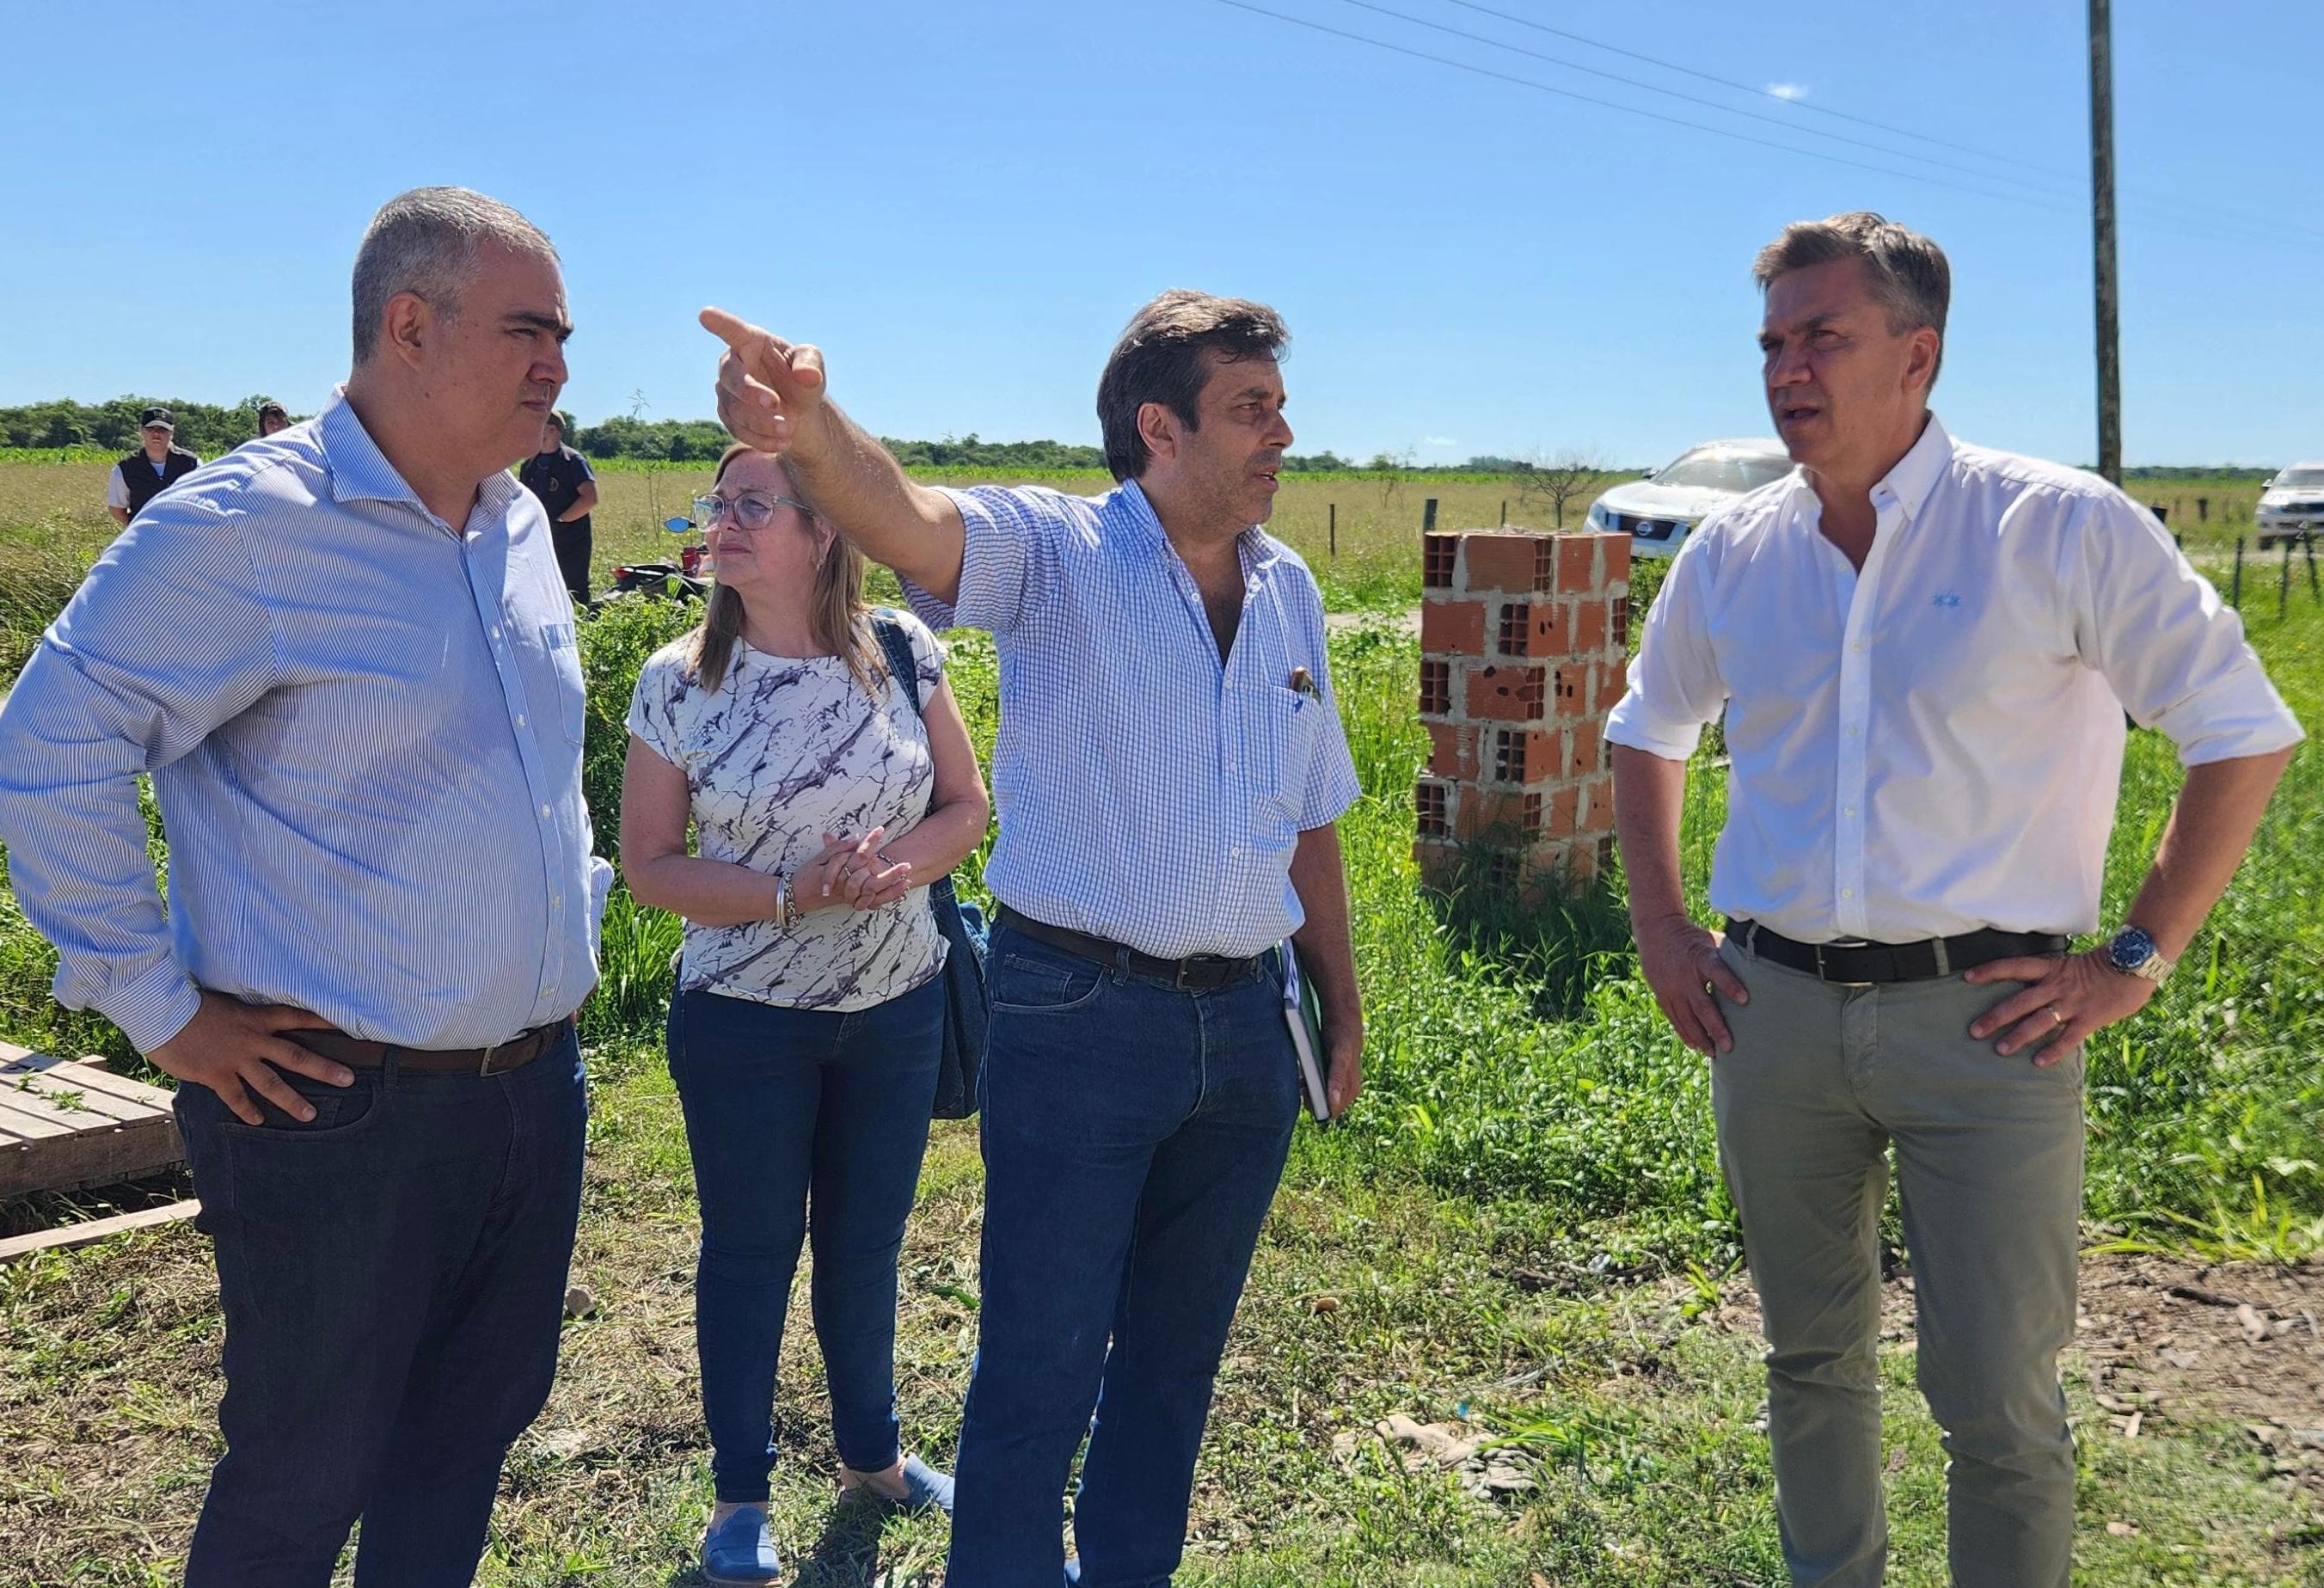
(1520, 1229)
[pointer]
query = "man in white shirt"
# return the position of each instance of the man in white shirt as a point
(1923, 651)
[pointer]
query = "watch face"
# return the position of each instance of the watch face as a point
(2130, 948)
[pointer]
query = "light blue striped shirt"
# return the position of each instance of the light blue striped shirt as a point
(364, 729)
(1146, 793)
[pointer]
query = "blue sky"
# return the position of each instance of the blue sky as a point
(962, 204)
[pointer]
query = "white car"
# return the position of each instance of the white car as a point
(1659, 511)
(2291, 506)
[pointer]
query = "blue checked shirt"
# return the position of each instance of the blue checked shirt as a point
(364, 729)
(1146, 793)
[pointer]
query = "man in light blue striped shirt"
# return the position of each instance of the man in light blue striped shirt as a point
(346, 657)
(1169, 770)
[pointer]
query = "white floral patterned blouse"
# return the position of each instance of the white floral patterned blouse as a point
(784, 750)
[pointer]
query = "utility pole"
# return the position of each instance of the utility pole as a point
(2102, 239)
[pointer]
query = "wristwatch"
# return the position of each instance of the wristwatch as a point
(2132, 951)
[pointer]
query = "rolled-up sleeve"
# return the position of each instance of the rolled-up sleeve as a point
(117, 490)
(2171, 651)
(164, 641)
(1675, 687)
(1009, 558)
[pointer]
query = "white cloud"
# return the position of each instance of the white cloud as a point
(1438, 441)
(1788, 90)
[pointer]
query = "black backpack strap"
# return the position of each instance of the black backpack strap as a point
(898, 644)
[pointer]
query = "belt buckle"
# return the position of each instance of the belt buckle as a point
(485, 1067)
(1832, 979)
(1179, 981)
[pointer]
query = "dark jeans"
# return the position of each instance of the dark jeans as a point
(1133, 1136)
(787, 1109)
(572, 542)
(393, 1281)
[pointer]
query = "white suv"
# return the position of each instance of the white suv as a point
(1659, 511)
(2291, 506)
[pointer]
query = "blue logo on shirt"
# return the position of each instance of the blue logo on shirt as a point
(1946, 598)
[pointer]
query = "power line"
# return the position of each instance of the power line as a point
(1616, 105)
(1785, 122)
(2272, 238)
(1542, 27)
(2271, 229)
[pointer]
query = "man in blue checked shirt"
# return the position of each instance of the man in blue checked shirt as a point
(346, 657)
(1169, 768)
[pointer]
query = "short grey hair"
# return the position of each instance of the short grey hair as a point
(427, 242)
(1908, 272)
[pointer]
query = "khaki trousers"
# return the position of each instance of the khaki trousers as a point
(1822, 1080)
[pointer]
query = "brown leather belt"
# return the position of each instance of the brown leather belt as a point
(499, 1060)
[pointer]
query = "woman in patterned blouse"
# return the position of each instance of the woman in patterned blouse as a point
(807, 1029)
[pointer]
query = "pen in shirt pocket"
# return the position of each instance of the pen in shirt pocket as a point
(1302, 682)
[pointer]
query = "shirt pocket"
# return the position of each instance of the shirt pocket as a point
(565, 675)
(1295, 726)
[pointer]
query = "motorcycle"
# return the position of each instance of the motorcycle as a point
(683, 581)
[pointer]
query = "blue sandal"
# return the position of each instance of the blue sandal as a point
(925, 1489)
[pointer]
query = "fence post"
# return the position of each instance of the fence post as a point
(2284, 583)
(2202, 509)
(1505, 512)
(1335, 529)
(2308, 549)
(1428, 516)
(2236, 592)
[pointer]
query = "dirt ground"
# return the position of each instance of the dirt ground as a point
(2163, 1338)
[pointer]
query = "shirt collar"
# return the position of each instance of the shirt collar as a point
(1916, 472)
(1258, 548)
(360, 471)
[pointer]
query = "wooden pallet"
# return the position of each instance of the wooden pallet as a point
(68, 1124)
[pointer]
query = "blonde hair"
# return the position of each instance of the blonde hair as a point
(836, 613)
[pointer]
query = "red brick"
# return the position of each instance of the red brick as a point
(1437, 688)
(1585, 752)
(1616, 563)
(1498, 561)
(1453, 627)
(1432, 802)
(1439, 864)
(1577, 563)
(1437, 556)
(1452, 751)
(1569, 689)
(1533, 754)
(1510, 818)
(1532, 628)
(1508, 692)
(1594, 812)
(1613, 680)
(1565, 806)
(1589, 633)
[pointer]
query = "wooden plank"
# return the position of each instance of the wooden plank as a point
(82, 1107)
(71, 1235)
(91, 1158)
(22, 1117)
(84, 1074)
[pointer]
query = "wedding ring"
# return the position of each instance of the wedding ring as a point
(2055, 1016)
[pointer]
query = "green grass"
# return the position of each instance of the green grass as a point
(1521, 1223)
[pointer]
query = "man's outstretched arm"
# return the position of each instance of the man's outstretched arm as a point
(772, 395)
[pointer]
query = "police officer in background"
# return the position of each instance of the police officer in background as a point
(151, 469)
(568, 487)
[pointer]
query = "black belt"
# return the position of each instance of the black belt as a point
(1198, 973)
(359, 1054)
(1859, 963)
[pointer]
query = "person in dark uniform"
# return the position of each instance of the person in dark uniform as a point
(150, 470)
(562, 479)
(271, 417)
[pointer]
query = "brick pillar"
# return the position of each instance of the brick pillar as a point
(1522, 647)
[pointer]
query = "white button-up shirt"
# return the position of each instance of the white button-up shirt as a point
(1934, 744)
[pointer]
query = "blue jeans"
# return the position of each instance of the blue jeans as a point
(787, 1108)
(392, 1275)
(1133, 1137)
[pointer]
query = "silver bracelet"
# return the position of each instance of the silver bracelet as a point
(785, 915)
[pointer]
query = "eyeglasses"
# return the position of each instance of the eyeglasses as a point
(750, 510)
